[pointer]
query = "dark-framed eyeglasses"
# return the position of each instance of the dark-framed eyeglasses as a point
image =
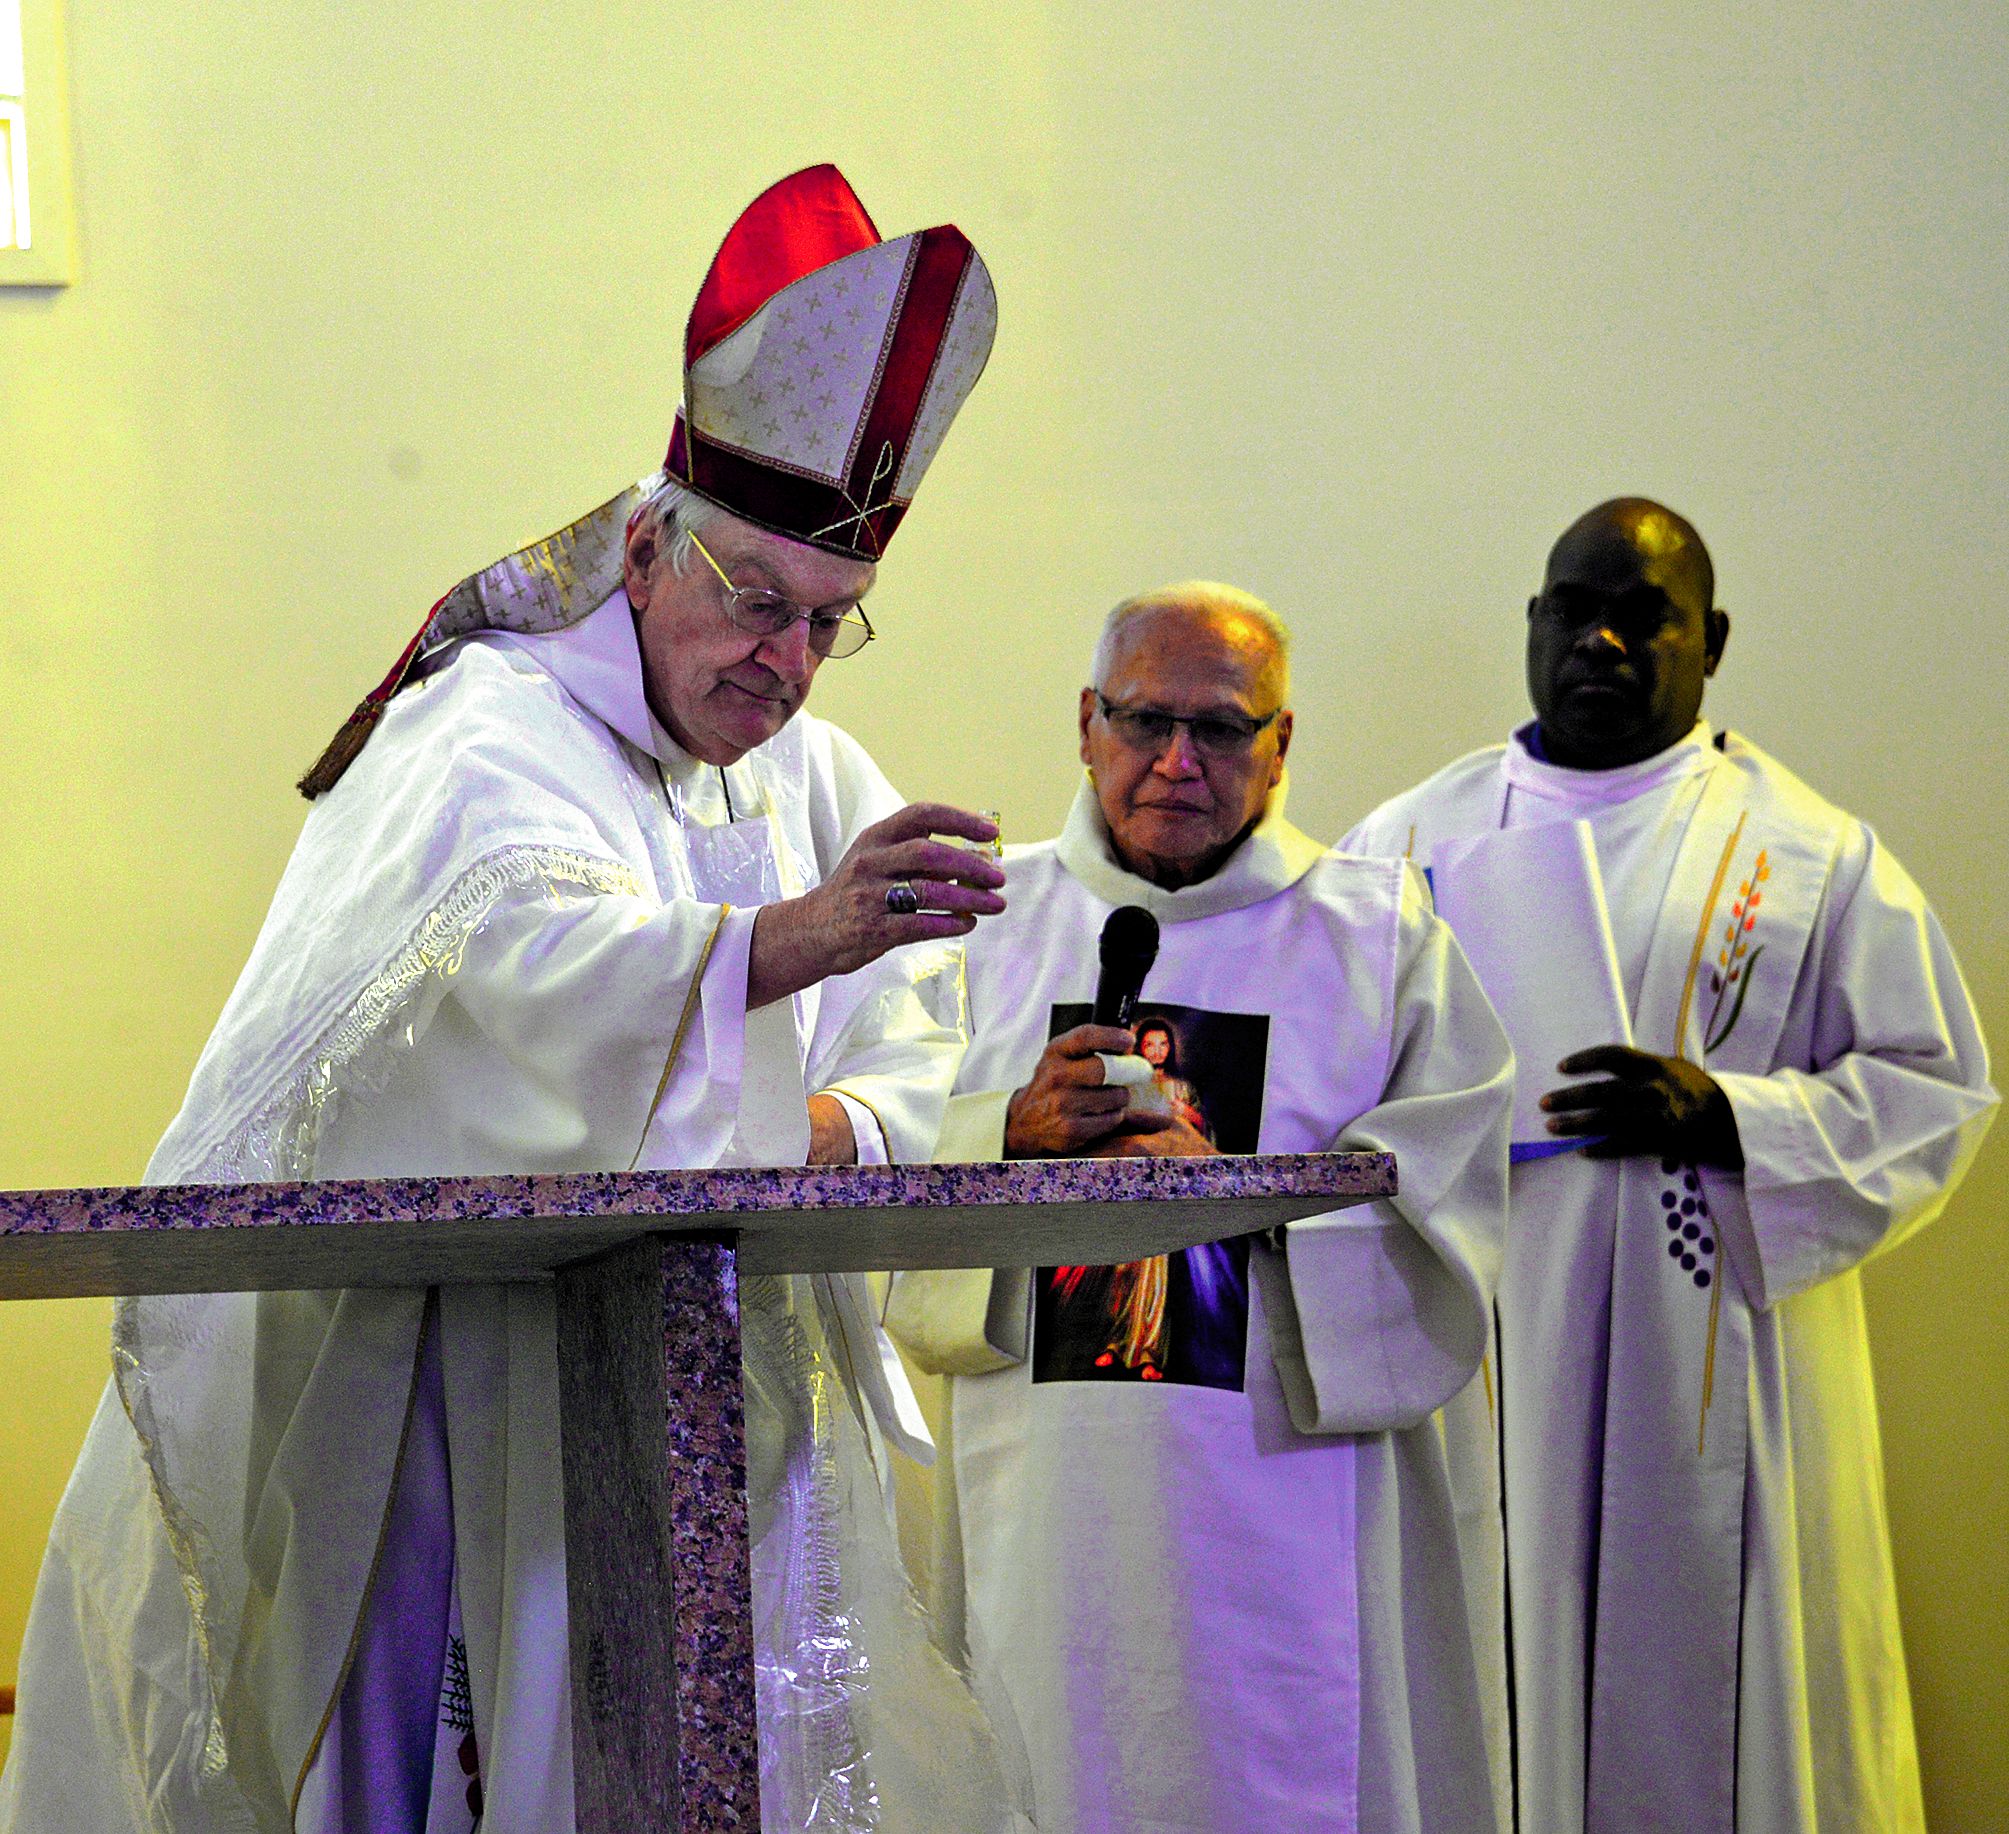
(1214, 735)
(833, 634)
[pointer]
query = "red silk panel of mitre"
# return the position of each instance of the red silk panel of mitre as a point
(817, 418)
(797, 225)
(823, 364)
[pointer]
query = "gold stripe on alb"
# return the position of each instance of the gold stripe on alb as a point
(1709, 1351)
(429, 1321)
(683, 1026)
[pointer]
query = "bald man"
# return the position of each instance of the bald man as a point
(1747, 1063)
(1197, 1507)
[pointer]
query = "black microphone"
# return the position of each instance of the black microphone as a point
(1129, 947)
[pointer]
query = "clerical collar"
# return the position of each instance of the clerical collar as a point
(598, 661)
(1273, 857)
(1536, 776)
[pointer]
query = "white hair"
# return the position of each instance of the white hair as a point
(673, 512)
(1192, 595)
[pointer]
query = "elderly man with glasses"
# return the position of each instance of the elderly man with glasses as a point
(581, 890)
(1197, 1530)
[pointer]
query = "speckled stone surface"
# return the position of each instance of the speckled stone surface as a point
(718, 1768)
(664, 1731)
(649, 1363)
(419, 1231)
(736, 1190)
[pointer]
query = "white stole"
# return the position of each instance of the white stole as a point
(1746, 885)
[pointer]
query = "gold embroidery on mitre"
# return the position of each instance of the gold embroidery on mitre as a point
(860, 519)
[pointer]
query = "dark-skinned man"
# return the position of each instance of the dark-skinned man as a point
(1200, 1506)
(1703, 1622)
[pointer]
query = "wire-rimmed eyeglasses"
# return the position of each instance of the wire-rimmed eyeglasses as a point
(833, 634)
(1214, 735)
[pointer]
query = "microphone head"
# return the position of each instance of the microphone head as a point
(1130, 941)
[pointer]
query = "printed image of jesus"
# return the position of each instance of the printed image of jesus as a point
(1180, 1318)
(1158, 1045)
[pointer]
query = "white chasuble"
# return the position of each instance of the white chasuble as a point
(513, 939)
(1199, 1511)
(1703, 1619)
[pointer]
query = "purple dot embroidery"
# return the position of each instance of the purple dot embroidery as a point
(1667, 1199)
(1674, 1247)
(1702, 1276)
(1688, 1181)
(1688, 1206)
(1689, 1231)
(1707, 1244)
(1688, 1263)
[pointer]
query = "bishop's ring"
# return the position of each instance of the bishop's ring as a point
(902, 899)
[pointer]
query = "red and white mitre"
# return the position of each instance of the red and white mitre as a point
(822, 367)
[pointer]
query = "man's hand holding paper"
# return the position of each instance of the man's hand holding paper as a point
(1663, 1107)
(1070, 1102)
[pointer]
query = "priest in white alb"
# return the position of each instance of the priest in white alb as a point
(581, 889)
(1784, 1077)
(1197, 1530)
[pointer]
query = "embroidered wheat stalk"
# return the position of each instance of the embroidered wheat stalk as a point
(1736, 960)
(1702, 936)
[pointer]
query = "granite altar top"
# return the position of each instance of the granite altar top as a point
(744, 1193)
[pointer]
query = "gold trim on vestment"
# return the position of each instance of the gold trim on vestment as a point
(1709, 1352)
(1702, 933)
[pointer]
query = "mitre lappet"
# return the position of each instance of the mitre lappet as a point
(822, 368)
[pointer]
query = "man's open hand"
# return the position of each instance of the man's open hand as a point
(1067, 1106)
(1662, 1107)
(844, 923)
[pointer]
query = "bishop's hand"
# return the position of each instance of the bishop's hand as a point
(1659, 1107)
(848, 920)
(1067, 1106)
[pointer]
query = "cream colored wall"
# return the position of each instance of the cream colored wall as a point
(1356, 312)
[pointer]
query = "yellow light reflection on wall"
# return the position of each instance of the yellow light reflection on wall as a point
(34, 249)
(14, 231)
(14, 227)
